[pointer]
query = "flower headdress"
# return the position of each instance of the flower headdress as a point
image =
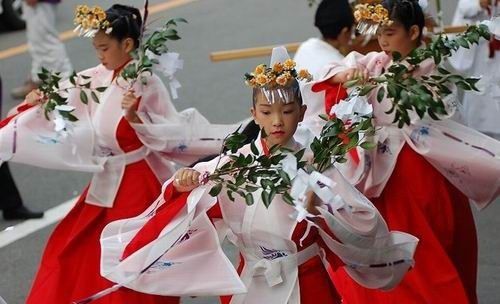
(90, 20)
(276, 80)
(280, 74)
(370, 17)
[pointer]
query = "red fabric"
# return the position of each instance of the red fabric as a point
(20, 109)
(419, 200)
(494, 47)
(70, 266)
(126, 136)
(151, 230)
(334, 93)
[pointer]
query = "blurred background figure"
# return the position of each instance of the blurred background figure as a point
(335, 21)
(45, 47)
(10, 201)
(11, 16)
(480, 112)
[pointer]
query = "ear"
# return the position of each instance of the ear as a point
(303, 110)
(346, 32)
(254, 114)
(128, 44)
(414, 32)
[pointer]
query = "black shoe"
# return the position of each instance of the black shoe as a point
(21, 213)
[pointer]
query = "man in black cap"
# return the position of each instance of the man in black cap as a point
(10, 201)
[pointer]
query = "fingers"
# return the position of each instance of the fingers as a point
(358, 73)
(187, 178)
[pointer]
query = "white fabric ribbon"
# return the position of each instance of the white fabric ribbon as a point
(352, 109)
(168, 64)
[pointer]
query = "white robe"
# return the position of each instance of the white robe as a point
(196, 265)
(479, 110)
(92, 145)
(468, 159)
(313, 55)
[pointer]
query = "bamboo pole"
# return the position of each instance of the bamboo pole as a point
(291, 47)
(250, 52)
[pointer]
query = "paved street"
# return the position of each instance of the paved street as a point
(216, 89)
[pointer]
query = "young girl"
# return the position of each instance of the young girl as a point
(128, 139)
(420, 177)
(174, 249)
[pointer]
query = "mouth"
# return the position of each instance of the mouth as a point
(278, 133)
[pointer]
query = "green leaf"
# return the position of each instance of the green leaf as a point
(288, 198)
(94, 97)
(83, 97)
(368, 145)
(443, 71)
(351, 83)
(300, 154)
(100, 89)
(367, 89)
(381, 94)
(215, 190)
(265, 198)
(396, 56)
(249, 199)
(253, 148)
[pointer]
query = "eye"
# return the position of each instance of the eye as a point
(265, 112)
(104, 49)
(288, 111)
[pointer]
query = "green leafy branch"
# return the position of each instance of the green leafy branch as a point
(156, 43)
(244, 174)
(53, 95)
(337, 139)
(425, 94)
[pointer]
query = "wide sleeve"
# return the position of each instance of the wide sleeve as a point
(171, 249)
(182, 136)
(351, 228)
(29, 130)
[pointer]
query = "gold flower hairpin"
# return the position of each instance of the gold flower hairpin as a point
(90, 20)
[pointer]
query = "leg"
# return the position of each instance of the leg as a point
(10, 198)
(43, 40)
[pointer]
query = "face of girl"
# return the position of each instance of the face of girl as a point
(111, 52)
(395, 38)
(279, 120)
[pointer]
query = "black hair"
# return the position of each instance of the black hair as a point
(332, 16)
(126, 22)
(293, 89)
(406, 12)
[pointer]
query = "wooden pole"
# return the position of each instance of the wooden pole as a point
(250, 52)
(291, 47)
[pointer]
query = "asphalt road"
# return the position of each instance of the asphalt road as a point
(216, 89)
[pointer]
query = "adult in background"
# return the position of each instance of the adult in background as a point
(10, 201)
(44, 45)
(480, 112)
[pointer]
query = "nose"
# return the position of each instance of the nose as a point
(278, 120)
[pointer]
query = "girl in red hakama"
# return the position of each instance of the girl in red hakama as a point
(125, 139)
(420, 177)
